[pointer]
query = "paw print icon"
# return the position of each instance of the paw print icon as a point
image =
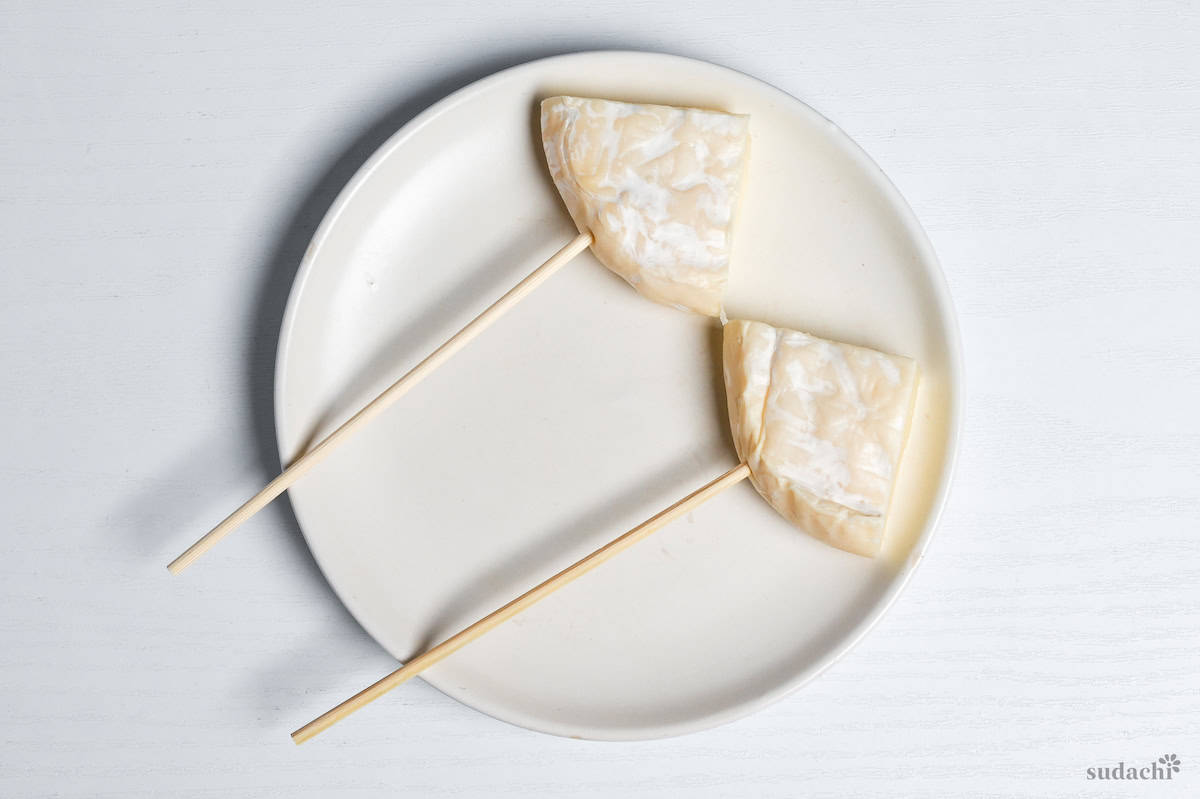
(1170, 762)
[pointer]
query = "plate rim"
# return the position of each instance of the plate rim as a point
(955, 384)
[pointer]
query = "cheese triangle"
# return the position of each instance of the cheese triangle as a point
(657, 186)
(822, 426)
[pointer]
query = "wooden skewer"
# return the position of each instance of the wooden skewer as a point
(306, 462)
(525, 600)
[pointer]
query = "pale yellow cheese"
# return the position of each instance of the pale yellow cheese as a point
(657, 186)
(822, 426)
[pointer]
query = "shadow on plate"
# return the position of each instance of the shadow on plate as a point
(413, 340)
(554, 550)
(284, 256)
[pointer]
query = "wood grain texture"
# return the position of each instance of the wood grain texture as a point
(161, 171)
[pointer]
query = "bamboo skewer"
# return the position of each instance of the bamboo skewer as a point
(312, 457)
(525, 600)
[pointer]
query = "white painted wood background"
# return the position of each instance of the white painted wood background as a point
(161, 169)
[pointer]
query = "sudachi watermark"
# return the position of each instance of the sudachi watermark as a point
(1162, 769)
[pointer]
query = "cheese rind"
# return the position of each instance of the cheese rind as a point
(822, 426)
(657, 186)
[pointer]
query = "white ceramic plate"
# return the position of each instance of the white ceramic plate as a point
(587, 409)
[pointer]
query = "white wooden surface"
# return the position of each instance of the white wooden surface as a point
(161, 170)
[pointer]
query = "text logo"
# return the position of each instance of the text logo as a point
(1162, 769)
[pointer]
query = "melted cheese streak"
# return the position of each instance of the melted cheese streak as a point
(822, 426)
(657, 186)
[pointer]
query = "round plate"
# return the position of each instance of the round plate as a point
(587, 409)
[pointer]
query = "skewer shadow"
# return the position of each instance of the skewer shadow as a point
(538, 559)
(398, 353)
(282, 260)
(285, 254)
(169, 495)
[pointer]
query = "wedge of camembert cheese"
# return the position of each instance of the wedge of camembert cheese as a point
(822, 426)
(657, 187)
